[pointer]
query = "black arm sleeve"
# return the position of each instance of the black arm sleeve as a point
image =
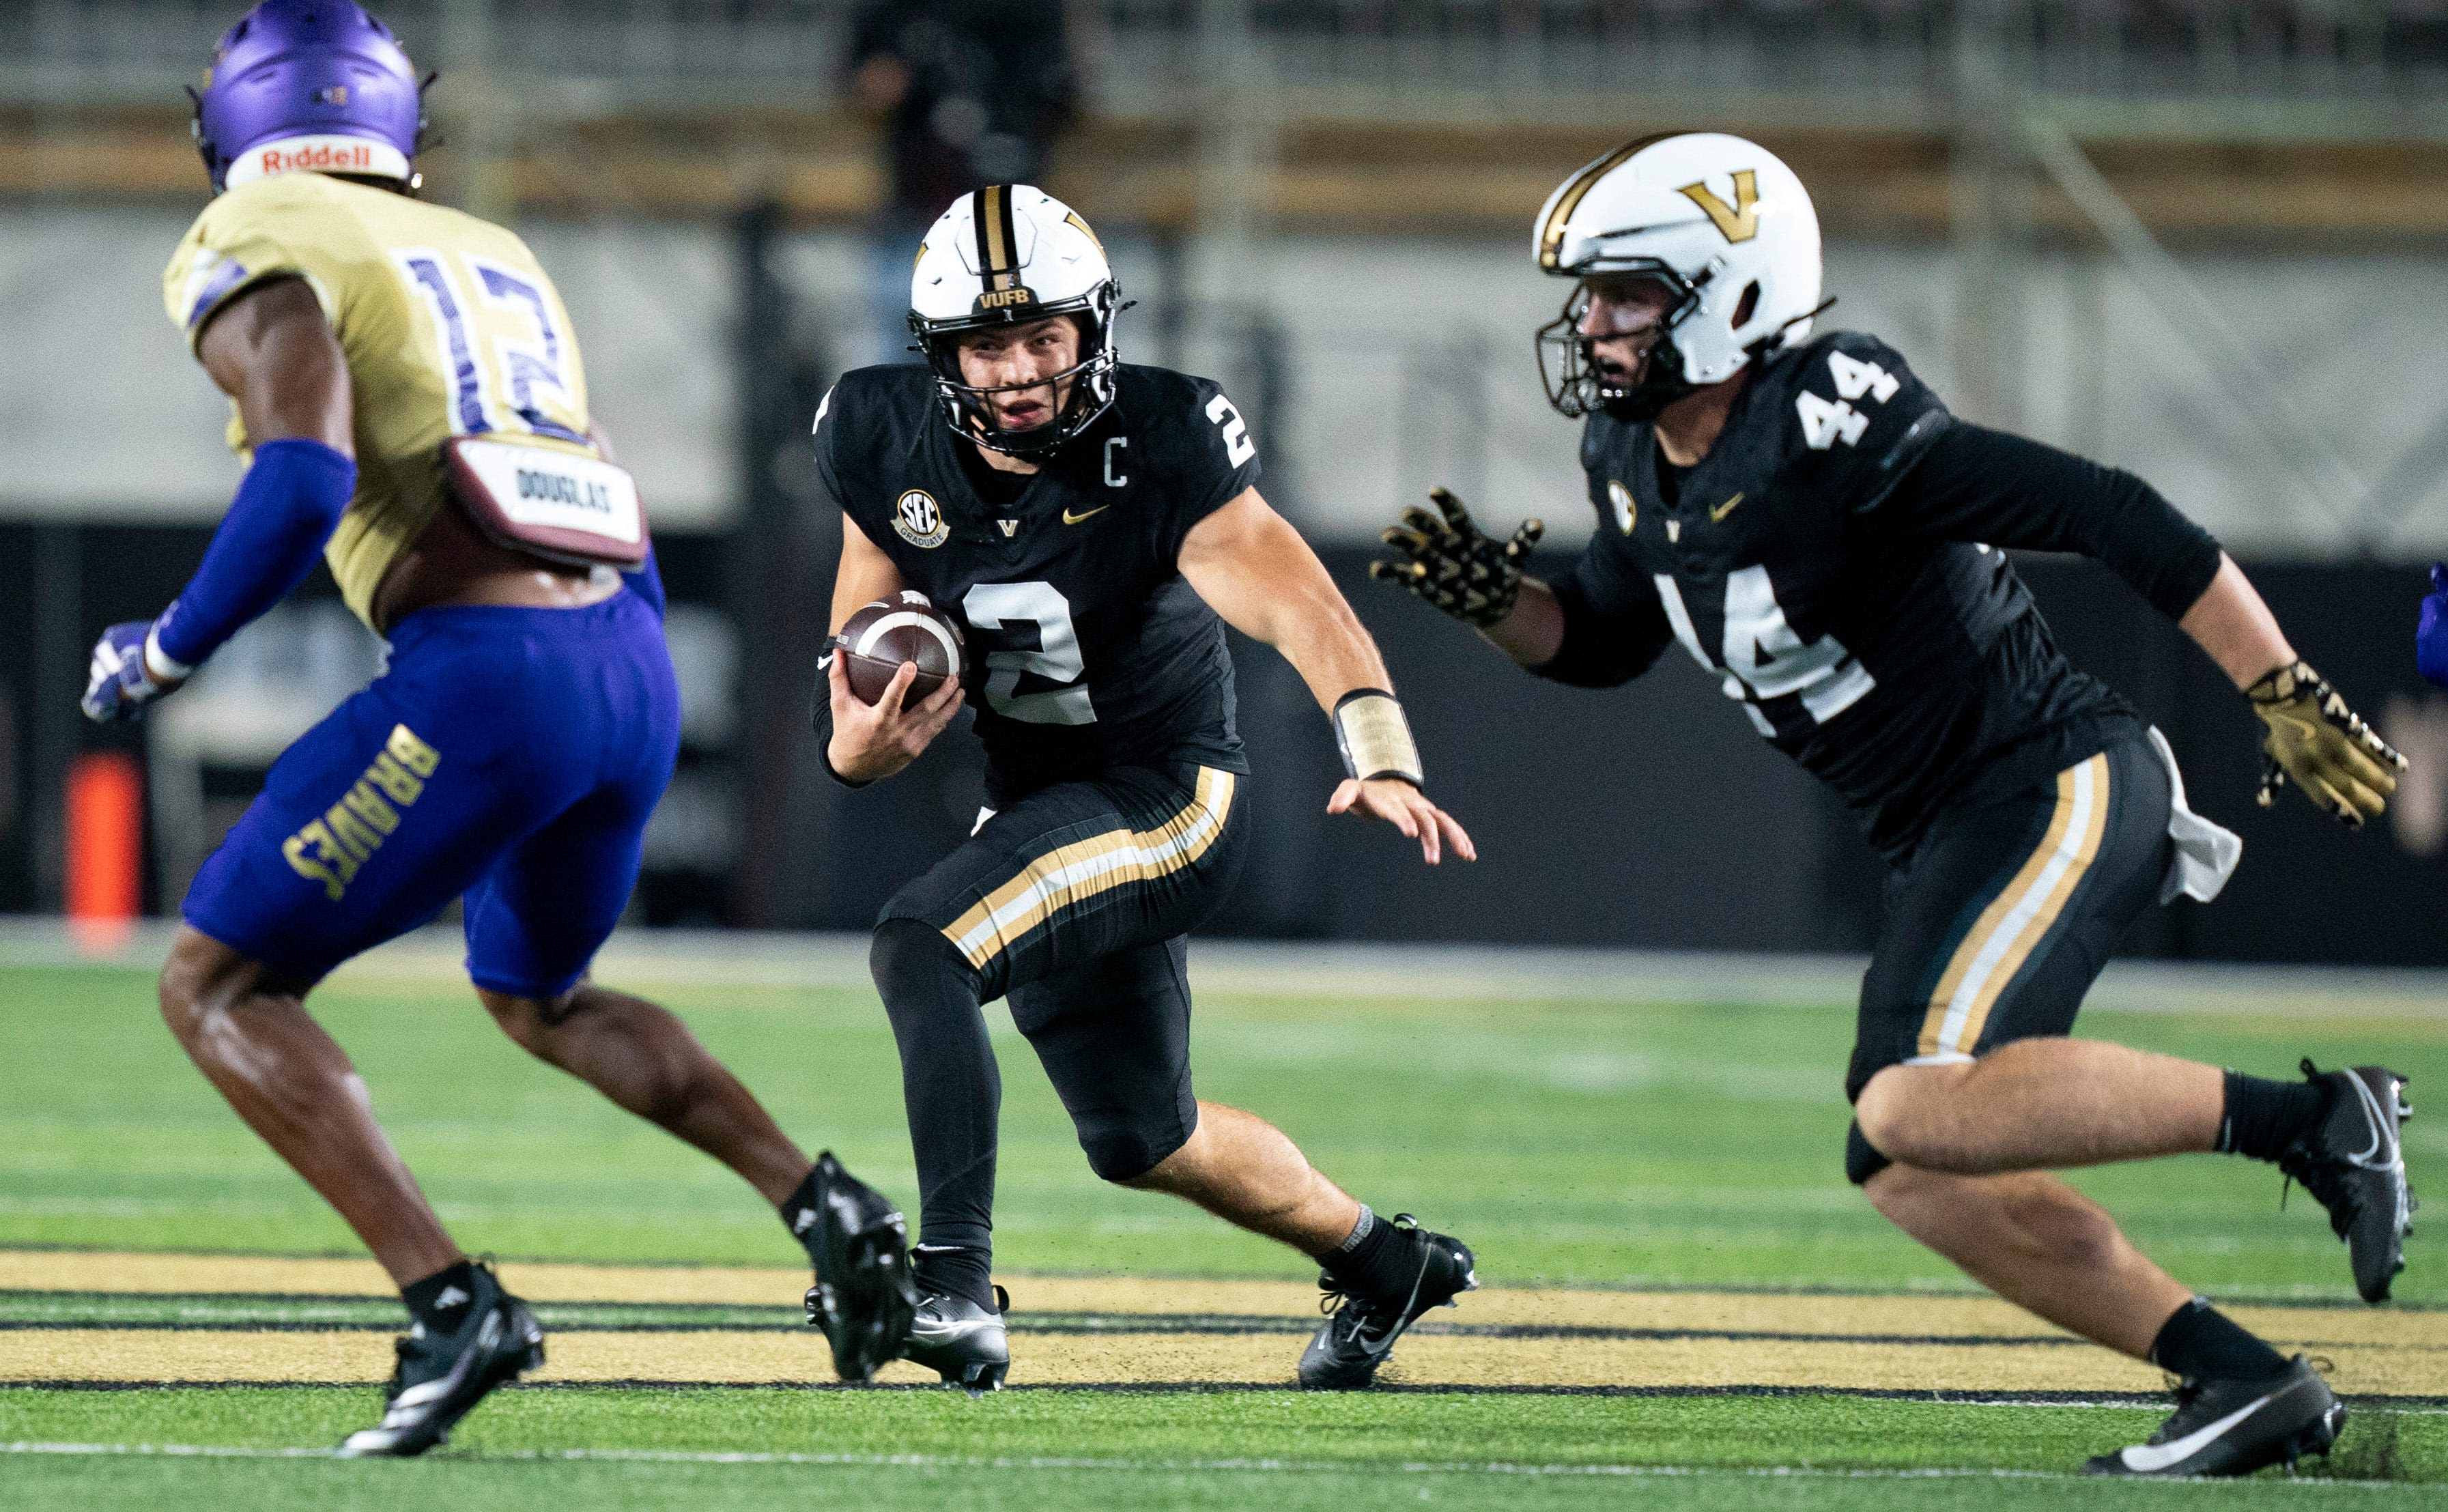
(1615, 625)
(1974, 483)
(823, 437)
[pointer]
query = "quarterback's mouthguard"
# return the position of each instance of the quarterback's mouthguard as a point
(1375, 739)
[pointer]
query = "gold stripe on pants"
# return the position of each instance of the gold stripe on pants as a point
(2019, 917)
(1086, 869)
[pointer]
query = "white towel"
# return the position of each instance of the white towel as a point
(2206, 854)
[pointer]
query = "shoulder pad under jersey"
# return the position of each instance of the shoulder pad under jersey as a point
(1187, 432)
(869, 416)
(281, 227)
(1853, 415)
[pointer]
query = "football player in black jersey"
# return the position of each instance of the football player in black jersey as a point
(1093, 526)
(1805, 517)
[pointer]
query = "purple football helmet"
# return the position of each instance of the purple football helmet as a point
(308, 84)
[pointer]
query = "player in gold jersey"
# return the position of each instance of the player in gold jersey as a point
(409, 393)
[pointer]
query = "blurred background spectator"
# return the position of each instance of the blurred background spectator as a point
(967, 92)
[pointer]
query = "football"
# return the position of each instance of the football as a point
(906, 628)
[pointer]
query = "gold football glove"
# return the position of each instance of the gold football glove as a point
(2340, 763)
(1447, 562)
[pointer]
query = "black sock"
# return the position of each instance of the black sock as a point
(799, 1215)
(956, 1270)
(2263, 1117)
(440, 1301)
(1377, 1260)
(950, 1084)
(2199, 1342)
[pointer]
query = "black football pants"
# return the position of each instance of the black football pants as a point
(2002, 918)
(1073, 903)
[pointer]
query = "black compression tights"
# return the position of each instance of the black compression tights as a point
(949, 1081)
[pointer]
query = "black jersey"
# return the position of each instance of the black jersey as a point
(1836, 559)
(1092, 652)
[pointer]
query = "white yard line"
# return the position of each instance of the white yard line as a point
(1082, 1463)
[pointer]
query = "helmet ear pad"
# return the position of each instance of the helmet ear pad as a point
(1663, 376)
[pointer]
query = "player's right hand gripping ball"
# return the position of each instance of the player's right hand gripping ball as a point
(906, 628)
(1447, 562)
(2340, 763)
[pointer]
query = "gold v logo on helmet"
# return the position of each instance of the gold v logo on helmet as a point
(1628, 220)
(1738, 222)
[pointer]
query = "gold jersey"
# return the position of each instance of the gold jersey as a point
(449, 326)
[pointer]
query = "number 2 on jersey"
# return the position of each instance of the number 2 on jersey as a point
(998, 609)
(1238, 448)
(497, 338)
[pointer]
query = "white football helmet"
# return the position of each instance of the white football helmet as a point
(1720, 222)
(1011, 254)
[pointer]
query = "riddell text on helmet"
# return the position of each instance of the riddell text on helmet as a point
(322, 155)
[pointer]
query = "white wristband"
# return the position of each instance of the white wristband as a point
(158, 662)
(1375, 739)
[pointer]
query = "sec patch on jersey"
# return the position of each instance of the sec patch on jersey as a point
(906, 628)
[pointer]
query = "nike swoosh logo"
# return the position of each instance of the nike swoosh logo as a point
(1068, 518)
(2148, 1457)
(2371, 1159)
(1724, 509)
(929, 1332)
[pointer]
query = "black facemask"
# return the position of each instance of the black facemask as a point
(1577, 385)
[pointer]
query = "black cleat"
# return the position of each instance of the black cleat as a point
(440, 1377)
(1359, 1331)
(2235, 1428)
(961, 1341)
(2353, 1164)
(864, 1297)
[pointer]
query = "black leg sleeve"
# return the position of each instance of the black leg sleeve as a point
(948, 1079)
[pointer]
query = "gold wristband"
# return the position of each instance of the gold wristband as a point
(1375, 739)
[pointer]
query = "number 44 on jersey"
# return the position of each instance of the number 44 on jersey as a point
(1824, 422)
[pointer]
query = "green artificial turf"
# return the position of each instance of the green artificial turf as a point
(331, 1486)
(1133, 1448)
(1576, 1145)
(1570, 1144)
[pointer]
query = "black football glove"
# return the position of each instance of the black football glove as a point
(2340, 763)
(1451, 565)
